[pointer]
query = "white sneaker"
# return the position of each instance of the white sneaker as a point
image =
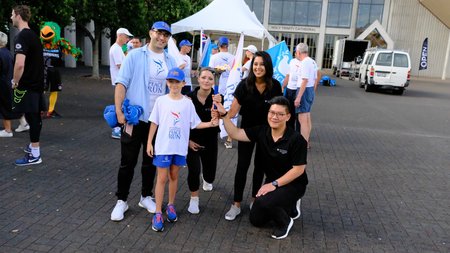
(207, 187)
(297, 212)
(193, 205)
(4, 133)
(232, 213)
(148, 203)
(21, 128)
(120, 208)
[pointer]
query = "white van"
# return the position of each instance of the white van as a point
(384, 68)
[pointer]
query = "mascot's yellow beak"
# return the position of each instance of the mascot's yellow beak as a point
(47, 33)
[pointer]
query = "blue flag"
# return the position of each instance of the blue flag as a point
(206, 55)
(281, 56)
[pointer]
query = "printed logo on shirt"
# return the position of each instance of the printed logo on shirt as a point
(175, 133)
(155, 87)
(282, 151)
(18, 46)
(159, 66)
(176, 117)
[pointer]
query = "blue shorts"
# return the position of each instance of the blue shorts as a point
(164, 161)
(306, 101)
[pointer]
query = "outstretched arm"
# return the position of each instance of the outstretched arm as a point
(234, 132)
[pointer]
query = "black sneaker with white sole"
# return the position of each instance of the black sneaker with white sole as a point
(282, 232)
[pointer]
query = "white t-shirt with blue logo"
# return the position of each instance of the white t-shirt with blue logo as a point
(175, 119)
(222, 59)
(187, 69)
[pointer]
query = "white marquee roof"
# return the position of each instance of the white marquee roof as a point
(224, 15)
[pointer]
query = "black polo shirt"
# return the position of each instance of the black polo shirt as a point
(277, 158)
(27, 42)
(207, 135)
(254, 105)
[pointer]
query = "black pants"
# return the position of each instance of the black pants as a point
(35, 122)
(130, 147)
(245, 151)
(206, 160)
(293, 121)
(276, 205)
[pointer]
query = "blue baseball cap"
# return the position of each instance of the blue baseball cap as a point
(214, 46)
(175, 74)
(223, 41)
(185, 43)
(161, 26)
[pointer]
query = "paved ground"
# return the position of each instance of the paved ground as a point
(378, 169)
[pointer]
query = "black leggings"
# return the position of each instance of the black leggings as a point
(130, 146)
(205, 160)
(35, 122)
(276, 205)
(245, 151)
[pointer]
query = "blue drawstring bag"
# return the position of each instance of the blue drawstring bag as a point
(110, 116)
(131, 112)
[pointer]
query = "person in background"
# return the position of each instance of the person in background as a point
(290, 89)
(214, 49)
(135, 42)
(305, 94)
(28, 81)
(251, 101)
(249, 53)
(116, 57)
(222, 61)
(202, 152)
(186, 66)
(6, 74)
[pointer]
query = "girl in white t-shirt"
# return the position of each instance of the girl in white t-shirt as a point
(174, 116)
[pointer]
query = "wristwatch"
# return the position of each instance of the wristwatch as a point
(275, 183)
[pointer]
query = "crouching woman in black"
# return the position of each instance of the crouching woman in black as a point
(283, 162)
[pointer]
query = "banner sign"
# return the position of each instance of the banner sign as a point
(424, 55)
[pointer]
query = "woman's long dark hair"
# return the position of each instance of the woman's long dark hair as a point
(251, 79)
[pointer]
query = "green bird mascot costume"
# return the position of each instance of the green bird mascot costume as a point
(54, 47)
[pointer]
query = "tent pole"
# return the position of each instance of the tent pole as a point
(192, 50)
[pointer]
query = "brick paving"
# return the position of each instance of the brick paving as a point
(378, 169)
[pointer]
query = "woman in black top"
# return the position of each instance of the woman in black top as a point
(251, 101)
(202, 152)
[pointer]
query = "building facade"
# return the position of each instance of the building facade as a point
(320, 23)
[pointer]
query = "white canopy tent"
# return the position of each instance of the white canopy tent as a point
(225, 15)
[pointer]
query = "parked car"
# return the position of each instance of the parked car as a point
(384, 68)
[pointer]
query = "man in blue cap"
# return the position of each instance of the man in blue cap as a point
(141, 79)
(186, 66)
(222, 61)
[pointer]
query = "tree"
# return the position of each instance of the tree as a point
(104, 15)
(41, 11)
